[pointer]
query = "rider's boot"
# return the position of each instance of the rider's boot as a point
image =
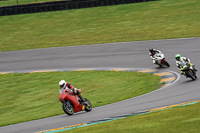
(81, 99)
(154, 62)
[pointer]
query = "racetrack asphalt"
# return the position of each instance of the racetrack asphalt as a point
(116, 55)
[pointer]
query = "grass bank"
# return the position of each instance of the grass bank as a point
(20, 2)
(35, 95)
(174, 120)
(121, 23)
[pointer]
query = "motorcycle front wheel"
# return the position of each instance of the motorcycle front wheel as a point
(68, 108)
(191, 75)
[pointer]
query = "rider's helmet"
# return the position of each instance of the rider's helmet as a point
(62, 84)
(178, 57)
(152, 51)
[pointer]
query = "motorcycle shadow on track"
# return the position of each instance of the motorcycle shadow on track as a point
(161, 68)
(188, 80)
(75, 114)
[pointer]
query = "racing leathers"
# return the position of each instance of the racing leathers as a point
(153, 55)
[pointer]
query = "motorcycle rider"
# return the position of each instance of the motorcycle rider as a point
(71, 89)
(179, 59)
(153, 53)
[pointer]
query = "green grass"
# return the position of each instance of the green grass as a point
(35, 95)
(20, 2)
(121, 23)
(175, 120)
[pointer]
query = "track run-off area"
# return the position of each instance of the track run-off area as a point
(127, 56)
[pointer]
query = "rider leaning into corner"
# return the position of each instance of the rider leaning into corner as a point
(153, 53)
(70, 89)
(179, 59)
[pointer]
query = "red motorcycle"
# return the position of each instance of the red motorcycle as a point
(71, 103)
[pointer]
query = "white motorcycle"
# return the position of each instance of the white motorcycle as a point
(160, 60)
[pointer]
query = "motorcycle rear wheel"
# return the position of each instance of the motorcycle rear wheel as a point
(88, 105)
(68, 108)
(166, 63)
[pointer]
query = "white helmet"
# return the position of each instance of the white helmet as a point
(62, 84)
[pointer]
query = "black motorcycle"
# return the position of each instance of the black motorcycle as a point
(188, 69)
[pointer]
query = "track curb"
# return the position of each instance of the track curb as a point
(168, 77)
(116, 118)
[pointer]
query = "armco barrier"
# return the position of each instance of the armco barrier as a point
(61, 5)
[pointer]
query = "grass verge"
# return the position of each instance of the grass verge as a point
(21, 2)
(35, 95)
(174, 120)
(121, 23)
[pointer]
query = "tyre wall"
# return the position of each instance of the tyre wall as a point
(61, 5)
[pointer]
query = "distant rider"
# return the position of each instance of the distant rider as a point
(153, 53)
(179, 59)
(70, 89)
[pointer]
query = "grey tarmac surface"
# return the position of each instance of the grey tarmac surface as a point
(119, 55)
